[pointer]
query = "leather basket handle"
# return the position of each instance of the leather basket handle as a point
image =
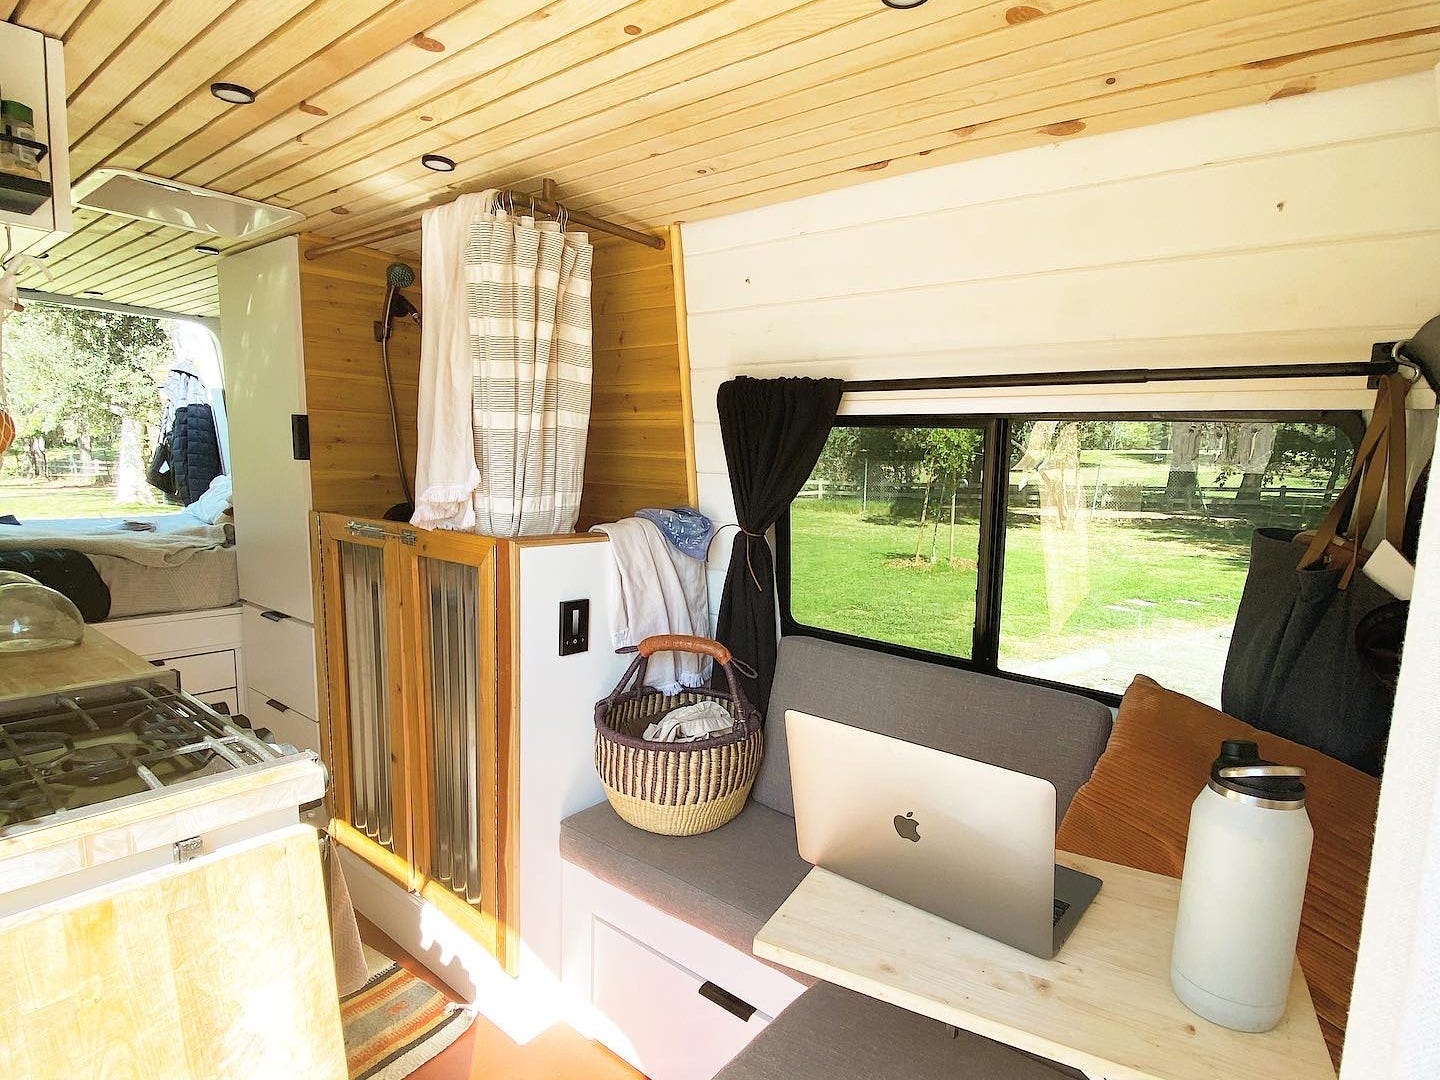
(684, 643)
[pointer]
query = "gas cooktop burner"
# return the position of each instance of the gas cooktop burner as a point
(72, 752)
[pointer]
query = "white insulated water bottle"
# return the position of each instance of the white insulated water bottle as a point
(1246, 861)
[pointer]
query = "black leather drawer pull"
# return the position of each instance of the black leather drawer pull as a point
(274, 616)
(727, 1001)
(278, 706)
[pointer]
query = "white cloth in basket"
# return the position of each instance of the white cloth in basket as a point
(689, 723)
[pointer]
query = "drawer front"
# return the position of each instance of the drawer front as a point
(222, 701)
(674, 1025)
(204, 672)
(186, 632)
(280, 659)
(285, 724)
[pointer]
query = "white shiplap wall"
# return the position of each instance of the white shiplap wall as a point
(1299, 230)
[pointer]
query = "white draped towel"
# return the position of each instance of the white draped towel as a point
(656, 589)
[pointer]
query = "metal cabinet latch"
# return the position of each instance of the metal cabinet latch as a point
(187, 849)
(379, 532)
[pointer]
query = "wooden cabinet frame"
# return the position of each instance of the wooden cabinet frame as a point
(410, 665)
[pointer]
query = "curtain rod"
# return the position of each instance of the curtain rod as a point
(545, 203)
(1370, 369)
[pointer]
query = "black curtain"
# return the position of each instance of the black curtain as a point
(774, 430)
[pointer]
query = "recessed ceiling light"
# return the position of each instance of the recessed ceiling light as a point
(903, 5)
(438, 162)
(206, 249)
(235, 94)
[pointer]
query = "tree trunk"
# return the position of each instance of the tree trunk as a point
(130, 483)
(924, 506)
(1258, 447)
(1180, 485)
(952, 522)
(86, 458)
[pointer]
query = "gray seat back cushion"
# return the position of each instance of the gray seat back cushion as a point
(1029, 729)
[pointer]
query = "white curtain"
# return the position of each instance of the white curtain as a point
(505, 371)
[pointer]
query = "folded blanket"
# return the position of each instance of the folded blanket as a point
(175, 539)
(657, 590)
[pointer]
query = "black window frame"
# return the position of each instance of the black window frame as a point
(994, 514)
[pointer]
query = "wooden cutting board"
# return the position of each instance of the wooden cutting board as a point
(217, 969)
(95, 661)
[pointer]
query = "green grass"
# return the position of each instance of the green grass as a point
(858, 574)
(35, 500)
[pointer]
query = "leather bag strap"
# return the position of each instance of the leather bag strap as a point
(1379, 465)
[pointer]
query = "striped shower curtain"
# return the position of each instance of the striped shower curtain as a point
(510, 336)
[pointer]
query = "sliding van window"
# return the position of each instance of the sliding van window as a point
(1077, 551)
(885, 537)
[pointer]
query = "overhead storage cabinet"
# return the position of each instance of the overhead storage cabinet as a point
(35, 210)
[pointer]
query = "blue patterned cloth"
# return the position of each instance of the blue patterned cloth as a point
(688, 531)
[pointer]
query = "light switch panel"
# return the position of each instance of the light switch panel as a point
(574, 627)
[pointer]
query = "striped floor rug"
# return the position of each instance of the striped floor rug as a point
(396, 1022)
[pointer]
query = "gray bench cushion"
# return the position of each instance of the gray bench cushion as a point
(830, 1033)
(1030, 729)
(727, 882)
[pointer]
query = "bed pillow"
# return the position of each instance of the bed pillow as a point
(214, 503)
(1163, 744)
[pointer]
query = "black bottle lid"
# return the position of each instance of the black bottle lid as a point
(1241, 771)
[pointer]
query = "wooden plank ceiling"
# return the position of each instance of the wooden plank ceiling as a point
(644, 111)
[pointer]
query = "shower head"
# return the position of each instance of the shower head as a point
(397, 276)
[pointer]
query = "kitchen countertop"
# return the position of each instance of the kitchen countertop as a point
(95, 661)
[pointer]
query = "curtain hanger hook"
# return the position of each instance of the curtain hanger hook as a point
(1404, 365)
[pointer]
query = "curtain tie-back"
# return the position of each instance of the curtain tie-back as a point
(749, 536)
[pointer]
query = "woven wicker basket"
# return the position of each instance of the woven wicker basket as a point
(675, 789)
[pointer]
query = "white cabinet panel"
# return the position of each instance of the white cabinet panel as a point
(285, 724)
(204, 672)
(263, 355)
(225, 701)
(674, 1031)
(159, 636)
(280, 658)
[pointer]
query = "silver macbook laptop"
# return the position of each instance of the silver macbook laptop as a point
(970, 842)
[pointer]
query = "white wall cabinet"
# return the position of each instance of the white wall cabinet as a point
(32, 71)
(261, 339)
(263, 347)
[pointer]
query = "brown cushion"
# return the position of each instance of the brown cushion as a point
(1162, 745)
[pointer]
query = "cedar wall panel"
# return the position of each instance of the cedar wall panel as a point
(352, 455)
(640, 449)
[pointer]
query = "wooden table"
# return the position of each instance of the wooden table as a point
(95, 661)
(1104, 1005)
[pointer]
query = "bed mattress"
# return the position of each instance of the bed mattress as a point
(183, 564)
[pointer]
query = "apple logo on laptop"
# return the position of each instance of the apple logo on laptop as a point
(908, 827)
